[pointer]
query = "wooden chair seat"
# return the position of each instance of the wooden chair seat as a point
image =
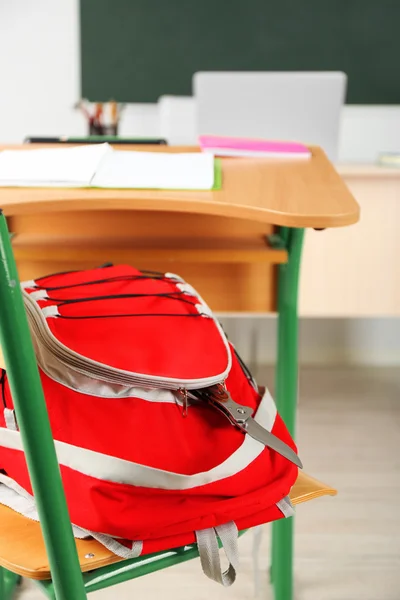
(22, 549)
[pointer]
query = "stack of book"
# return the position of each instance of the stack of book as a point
(230, 146)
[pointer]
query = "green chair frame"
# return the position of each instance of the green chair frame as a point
(68, 582)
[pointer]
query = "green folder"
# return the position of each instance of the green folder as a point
(217, 174)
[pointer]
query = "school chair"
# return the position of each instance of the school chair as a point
(64, 568)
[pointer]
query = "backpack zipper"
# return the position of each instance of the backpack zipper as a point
(78, 363)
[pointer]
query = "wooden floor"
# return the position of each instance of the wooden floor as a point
(348, 547)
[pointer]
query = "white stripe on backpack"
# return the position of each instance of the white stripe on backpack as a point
(117, 470)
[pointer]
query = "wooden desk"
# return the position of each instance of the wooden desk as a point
(215, 240)
(280, 192)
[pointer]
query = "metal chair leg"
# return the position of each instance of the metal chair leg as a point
(8, 584)
(34, 425)
(286, 397)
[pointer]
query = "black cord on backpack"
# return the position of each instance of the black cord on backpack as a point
(170, 295)
(3, 387)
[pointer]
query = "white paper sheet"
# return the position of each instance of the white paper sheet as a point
(52, 167)
(98, 165)
(156, 170)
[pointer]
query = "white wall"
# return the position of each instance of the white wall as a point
(140, 120)
(321, 341)
(39, 76)
(39, 83)
(368, 130)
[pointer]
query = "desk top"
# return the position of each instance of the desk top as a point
(280, 192)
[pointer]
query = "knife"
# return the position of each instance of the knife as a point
(241, 417)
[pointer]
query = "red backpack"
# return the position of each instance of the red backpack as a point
(162, 436)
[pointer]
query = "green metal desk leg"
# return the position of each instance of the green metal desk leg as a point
(8, 584)
(35, 429)
(286, 397)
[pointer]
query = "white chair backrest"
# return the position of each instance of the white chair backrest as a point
(297, 106)
(177, 119)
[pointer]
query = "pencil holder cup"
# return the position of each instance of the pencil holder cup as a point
(95, 129)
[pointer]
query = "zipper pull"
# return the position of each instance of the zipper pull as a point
(183, 393)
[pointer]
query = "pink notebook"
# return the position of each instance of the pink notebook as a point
(229, 146)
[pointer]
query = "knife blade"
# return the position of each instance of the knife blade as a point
(241, 417)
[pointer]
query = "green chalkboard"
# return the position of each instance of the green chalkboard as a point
(138, 50)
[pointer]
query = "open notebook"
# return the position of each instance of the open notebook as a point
(101, 166)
